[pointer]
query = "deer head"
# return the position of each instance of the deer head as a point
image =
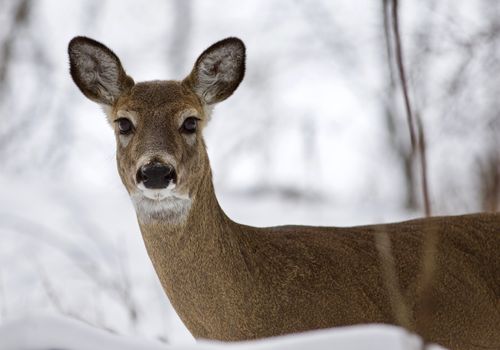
(158, 125)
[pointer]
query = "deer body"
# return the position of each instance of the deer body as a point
(233, 282)
(229, 281)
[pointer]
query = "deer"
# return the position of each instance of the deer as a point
(229, 281)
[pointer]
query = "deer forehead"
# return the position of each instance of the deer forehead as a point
(159, 100)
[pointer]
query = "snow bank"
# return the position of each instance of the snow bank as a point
(52, 332)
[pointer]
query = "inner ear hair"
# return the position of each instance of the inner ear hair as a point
(218, 71)
(97, 71)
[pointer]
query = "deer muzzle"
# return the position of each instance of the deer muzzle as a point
(156, 175)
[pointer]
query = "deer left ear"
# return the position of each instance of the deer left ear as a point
(97, 71)
(218, 71)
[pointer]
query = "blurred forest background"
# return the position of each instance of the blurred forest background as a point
(316, 134)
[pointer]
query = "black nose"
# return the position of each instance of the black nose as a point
(156, 175)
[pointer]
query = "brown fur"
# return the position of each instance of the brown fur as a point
(229, 281)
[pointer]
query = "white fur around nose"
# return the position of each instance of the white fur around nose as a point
(157, 194)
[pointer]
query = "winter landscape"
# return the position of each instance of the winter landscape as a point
(315, 135)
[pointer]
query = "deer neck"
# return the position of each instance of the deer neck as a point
(189, 257)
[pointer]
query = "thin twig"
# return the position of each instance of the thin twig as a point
(422, 148)
(418, 146)
(382, 240)
(430, 237)
(402, 73)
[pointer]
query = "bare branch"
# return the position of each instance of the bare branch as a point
(423, 166)
(402, 73)
(429, 239)
(402, 151)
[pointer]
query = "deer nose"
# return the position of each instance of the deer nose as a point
(156, 175)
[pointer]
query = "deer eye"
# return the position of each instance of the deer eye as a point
(189, 125)
(125, 126)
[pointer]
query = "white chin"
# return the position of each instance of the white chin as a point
(157, 195)
(160, 204)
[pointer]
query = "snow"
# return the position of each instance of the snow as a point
(50, 332)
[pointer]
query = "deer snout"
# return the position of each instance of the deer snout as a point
(156, 175)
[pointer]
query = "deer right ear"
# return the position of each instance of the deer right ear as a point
(97, 71)
(218, 71)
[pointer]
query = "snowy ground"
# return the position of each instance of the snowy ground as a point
(44, 333)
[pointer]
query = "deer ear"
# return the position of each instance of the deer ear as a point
(218, 71)
(97, 71)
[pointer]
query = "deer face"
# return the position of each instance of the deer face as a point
(158, 125)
